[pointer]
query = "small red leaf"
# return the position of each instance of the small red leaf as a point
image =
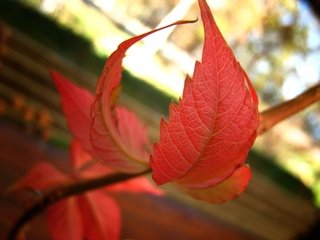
(136, 185)
(76, 103)
(84, 165)
(79, 157)
(211, 130)
(107, 138)
(65, 220)
(133, 134)
(101, 216)
(228, 189)
(41, 176)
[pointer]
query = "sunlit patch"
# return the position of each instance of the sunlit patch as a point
(292, 87)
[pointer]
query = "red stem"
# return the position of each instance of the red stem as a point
(276, 114)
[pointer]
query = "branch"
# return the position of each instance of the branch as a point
(276, 114)
(65, 191)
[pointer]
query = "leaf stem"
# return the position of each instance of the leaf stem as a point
(65, 191)
(274, 115)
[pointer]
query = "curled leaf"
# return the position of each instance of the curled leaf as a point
(116, 135)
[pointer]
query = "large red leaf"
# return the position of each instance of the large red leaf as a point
(115, 143)
(210, 131)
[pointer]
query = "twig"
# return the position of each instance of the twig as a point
(65, 191)
(276, 114)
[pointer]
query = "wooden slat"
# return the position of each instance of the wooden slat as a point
(294, 206)
(243, 215)
(50, 59)
(265, 210)
(59, 131)
(28, 86)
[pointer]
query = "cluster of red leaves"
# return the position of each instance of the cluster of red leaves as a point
(93, 215)
(202, 147)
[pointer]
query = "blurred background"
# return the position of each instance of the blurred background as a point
(276, 42)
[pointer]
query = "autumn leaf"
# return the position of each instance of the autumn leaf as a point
(206, 140)
(93, 215)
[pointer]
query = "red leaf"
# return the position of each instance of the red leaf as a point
(110, 142)
(133, 134)
(65, 220)
(76, 103)
(79, 157)
(94, 215)
(84, 165)
(228, 189)
(41, 176)
(91, 216)
(136, 185)
(101, 216)
(211, 130)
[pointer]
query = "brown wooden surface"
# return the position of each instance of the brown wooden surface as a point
(143, 216)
